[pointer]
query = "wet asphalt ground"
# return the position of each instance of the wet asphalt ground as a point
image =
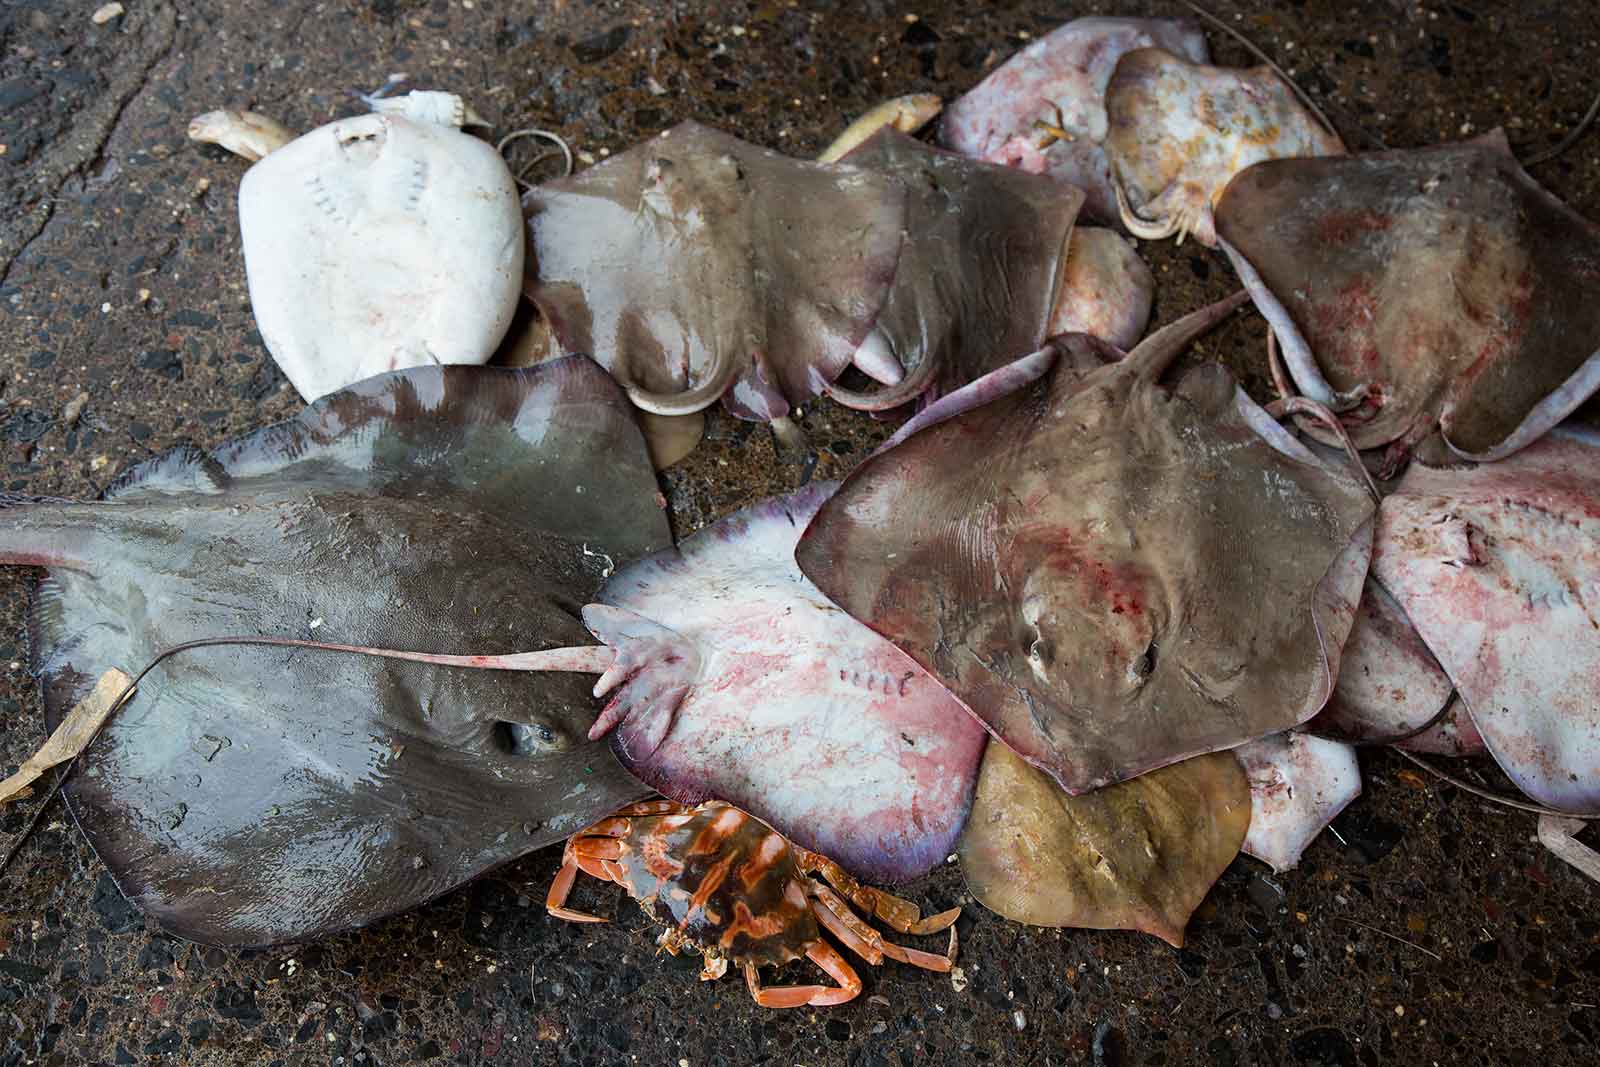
(1431, 929)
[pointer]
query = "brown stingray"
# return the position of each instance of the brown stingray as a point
(696, 265)
(248, 795)
(984, 258)
(1421, 289)
(1138, 855)
(1111, 574)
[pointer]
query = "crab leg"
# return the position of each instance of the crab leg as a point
(595, 857)
(816, 996)
(556, 900)
(835, 915)
(898, 912)
(866, 942)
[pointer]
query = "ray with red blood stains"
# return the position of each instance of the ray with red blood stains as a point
(737, 680)
(1113, 574)
(250, 795)
(1496, 566)
(1043, 110)
(1422, 289)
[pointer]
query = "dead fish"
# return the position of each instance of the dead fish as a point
(1390, 686)
(1436, 288)
(1499, 568)
(737, 680)
(1044, 108)
(1112, 574)
(1180, 130)
(249, 796)
(377, 242)
(1138, 855)
(978, 278)
(1107, 290)
(697, 266)
(1451, 734)
(1298, 785)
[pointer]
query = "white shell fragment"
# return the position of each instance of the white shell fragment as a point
(1298, 785)
(377, 243)
(248, 134)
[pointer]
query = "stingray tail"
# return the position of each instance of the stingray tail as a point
(1152, 356)
(38, 531)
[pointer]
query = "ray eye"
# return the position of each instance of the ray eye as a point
(1039, 651)
(526, 739)
(1144, 666)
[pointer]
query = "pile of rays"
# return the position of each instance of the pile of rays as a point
(1090, 625)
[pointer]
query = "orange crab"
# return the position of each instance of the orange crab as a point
(732, 888)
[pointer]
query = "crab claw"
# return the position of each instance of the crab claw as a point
(654, 669)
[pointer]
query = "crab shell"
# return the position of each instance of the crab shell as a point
(379, 243)
(726, 880)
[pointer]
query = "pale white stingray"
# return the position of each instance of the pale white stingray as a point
(1298, 785)
(375, 243)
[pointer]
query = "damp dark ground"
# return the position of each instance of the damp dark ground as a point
(1432, 930)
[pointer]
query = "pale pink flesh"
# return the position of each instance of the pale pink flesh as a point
(1497, 568)
(1298, 785)
(1454, 734)
(1106, 289)
(998, 119)
(738, 680)
(1389, 686)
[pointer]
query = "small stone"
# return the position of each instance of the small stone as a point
(74, 409)
(105, 13)
(1019, 1020)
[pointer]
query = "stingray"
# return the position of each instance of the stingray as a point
(1451, 734)
(1179, 131)
(1298, 785)
(982, 269)
(1114, 575)
(1044, 108)
(1107, 290)
(696, 266)
(1499, 568)
(1390, 686)
(737, 680)
(251, 795)
(1138, 855)
(1414, 290)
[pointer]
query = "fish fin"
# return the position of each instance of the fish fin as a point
(184, 469)
(45, 532)
(655, 669)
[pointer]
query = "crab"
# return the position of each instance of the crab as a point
(730, 887)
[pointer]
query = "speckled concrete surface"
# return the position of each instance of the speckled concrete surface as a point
(1435, 931)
